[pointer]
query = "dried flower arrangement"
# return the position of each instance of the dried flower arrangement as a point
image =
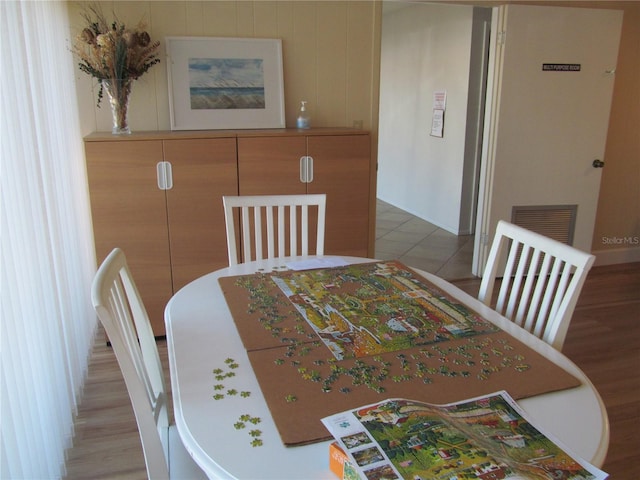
(114, 54)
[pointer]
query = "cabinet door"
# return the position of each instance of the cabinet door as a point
(203, 171)
(341, 169)
(270, 165)
(128, 211)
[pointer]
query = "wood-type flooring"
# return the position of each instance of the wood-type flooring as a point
(603, 340)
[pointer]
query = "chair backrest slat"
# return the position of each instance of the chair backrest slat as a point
(541, 280)
(280, 213)
(304, 230)
(281, 231)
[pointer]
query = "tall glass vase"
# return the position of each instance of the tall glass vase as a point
(119, 91)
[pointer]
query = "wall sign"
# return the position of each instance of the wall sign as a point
(561, 67)
(439, 106)
(437, 123)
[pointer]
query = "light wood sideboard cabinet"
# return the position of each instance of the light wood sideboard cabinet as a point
(336, 164)
(158, 196)
(160, 200)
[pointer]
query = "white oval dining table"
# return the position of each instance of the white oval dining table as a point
(202, 337)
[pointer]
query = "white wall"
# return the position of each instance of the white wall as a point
(424, 48)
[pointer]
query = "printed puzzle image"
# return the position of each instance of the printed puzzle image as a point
(359, 311)
(487, 437)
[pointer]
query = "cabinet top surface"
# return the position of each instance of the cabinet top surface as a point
(190, 134)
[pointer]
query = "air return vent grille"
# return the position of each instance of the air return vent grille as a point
(553, 221)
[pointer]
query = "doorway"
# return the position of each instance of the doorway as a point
(430, 49)
(552, 123)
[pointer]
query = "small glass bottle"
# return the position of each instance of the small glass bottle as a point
(303, 121)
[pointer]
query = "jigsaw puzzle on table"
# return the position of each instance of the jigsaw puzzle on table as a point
(326, 340)
(383, 307)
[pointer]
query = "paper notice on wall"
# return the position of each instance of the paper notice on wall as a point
(437, 123)
(440, 100)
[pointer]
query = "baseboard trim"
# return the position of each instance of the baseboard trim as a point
(617, 255)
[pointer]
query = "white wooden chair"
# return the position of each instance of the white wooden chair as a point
(541, 281)
(124, 317)
(280, 214)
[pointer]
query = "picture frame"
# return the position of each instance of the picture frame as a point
(225, 83)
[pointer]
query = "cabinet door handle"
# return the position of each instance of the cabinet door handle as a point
(169, 175)
(164, 174)
(309, 169)
(303, 169)
(306, 169)
(161, 175)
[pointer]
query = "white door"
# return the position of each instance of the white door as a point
(549, 96)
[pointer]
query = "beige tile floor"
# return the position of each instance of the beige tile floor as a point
(420, 244)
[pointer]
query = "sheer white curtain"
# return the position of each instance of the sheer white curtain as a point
(47, 323)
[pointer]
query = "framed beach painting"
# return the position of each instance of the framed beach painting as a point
(225, 83)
